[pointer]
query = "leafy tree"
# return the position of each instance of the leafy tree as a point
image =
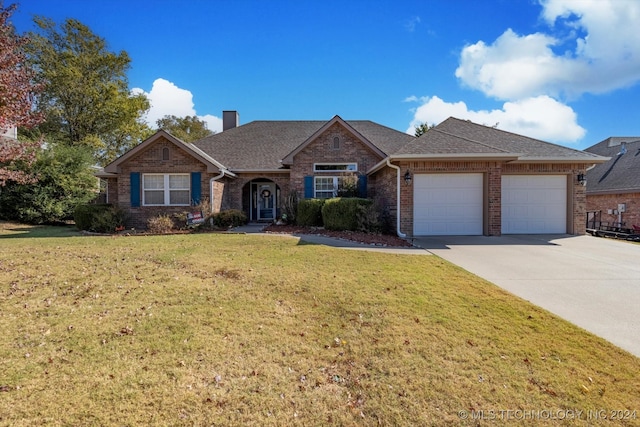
(17, 93)
(422, 128)
(86, 99)
(65, 181)
(188, 129)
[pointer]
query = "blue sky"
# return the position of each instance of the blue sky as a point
(564, 71)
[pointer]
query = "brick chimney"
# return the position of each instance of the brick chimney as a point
(230, 120)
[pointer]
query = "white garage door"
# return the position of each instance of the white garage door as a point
(534, 204)
(447, 204)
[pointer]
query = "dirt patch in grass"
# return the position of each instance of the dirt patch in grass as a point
(354, 236)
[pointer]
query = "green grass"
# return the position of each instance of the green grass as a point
(212, 329)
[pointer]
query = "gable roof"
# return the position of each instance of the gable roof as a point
(288, 159)
(621, 173)
(267, 145)
(212, 164)
(462, 138)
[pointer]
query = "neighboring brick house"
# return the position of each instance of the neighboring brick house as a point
(613, 187)
(458, 178)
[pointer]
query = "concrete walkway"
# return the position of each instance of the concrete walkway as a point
(592, 282)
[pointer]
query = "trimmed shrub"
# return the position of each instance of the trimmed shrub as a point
(109, 221)
(230, 218)
(384, 223)
(309, 213)
(103, 218)
(83, 215)
(342, 213)
(160, 224)
(368, 218)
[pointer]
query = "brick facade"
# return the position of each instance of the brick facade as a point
(349, 149)
(338, 145)
(152, 160)
(228, 193)
(604, 203)
(492, 171)
(237, 194)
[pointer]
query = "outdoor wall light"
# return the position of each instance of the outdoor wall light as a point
(582, 180)
(407, 178)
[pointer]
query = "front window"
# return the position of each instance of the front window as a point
(166, 189)
(325, 187)
(335, 167)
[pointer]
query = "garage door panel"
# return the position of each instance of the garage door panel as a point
(447, 204)
(534, 204)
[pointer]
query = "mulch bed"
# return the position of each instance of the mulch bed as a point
(384, 240)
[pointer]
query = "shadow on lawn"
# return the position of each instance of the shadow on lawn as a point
(19, 231)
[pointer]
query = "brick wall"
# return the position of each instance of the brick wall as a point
(606, 202)
(322, 150)
(382, 188)
(112, 190)
(493, 172)
(239, 188)
(233, 193)
(151, 161)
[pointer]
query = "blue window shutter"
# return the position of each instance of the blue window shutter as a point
(196, 188)
(362, 186)
(134, 179)
(308, 187)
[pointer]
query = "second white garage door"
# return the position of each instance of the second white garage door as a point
(447, 204)
(534, 204)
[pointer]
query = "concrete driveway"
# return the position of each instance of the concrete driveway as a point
(592, 282)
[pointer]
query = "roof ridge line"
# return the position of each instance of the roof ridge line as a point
(520, 135)
(468, 139)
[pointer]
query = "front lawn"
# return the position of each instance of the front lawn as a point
(214, 329)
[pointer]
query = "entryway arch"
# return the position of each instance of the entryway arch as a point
(260, 200)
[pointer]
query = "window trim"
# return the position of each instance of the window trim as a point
(165, 189)
(334, 192)
(350, 167)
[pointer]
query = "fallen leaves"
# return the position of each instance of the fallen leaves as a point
(127, 330)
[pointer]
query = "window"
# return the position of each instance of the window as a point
(336, 143)
(165, 153)
(335, 167)
(166, 189)
(325, 187)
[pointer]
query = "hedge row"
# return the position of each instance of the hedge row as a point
(100, 218)
(335, 214)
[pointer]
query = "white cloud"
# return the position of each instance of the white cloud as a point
(168, 99)
(540, 117)
(588, 46)
(213, 122)
(600, 52)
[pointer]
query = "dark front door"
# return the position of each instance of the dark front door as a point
(264, 200)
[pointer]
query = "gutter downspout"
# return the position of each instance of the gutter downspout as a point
(211, 181)
(397, 168)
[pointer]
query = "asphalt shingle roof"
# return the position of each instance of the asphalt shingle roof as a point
(621, 172)
(462, 136)
(261, 145)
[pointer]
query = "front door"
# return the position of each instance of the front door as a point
(265, 201)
